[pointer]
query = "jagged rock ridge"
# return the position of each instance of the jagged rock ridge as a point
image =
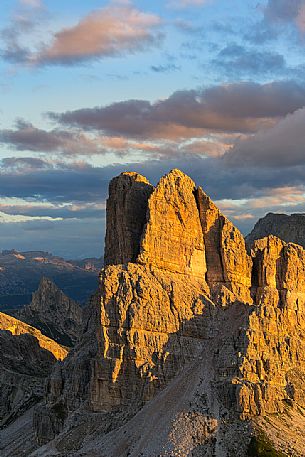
(290, 228)
(55, 314)
(191, 346)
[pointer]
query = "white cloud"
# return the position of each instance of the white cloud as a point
(19, 218)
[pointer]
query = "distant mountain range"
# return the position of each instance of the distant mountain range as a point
(21, 272)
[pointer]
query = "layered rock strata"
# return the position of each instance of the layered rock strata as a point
(190, 343)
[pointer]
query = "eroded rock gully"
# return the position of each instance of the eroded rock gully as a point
(190, 344)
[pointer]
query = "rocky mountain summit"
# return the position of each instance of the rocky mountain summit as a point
(191, 345)
(55, 314)
(290, 228)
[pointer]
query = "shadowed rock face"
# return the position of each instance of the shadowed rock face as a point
(228, 263)
(290, 228)
(17, 327)
(189, 344)
(26, 359)
(24, 368)
(126, 216)
(55, 314)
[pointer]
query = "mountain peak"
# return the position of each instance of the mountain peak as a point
(52, 312)
(290, 228)
(191, 346)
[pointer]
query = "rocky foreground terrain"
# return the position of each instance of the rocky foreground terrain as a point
(21, 272)
(290, 228)
(26, 359)
(191, 346)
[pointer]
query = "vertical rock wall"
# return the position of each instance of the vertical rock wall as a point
(228, 263)
(126, 216)
(172, 238)
(273, 369)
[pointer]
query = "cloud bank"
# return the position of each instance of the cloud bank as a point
(236, 107)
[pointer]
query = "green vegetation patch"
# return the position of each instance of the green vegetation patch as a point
(260, 446)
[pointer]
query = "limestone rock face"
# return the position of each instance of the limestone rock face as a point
(16, 327)
(126, 215)
(274, 364)
(151, 325)
(172, 238)
(190, 345)
(26, 359)
(55, 314)
(228, 263)
(289, 228)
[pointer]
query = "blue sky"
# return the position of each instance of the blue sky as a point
(90, 89)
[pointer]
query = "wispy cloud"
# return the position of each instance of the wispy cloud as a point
(66, 143)
(27, 137)
(167, 68)
(115, 30)
(19, 218)
(236, 60)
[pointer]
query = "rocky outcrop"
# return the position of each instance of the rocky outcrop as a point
(228, 263)
(126, 215)
(26, 359)
(55, 314)
(16, 327)
(172, 238)
(273, 369)
(290, 228)
(190, 343)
